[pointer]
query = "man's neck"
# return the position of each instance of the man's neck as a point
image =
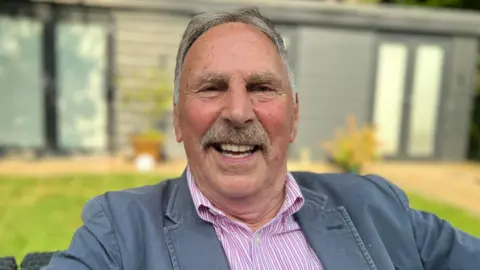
(254, 210)
(254, 214)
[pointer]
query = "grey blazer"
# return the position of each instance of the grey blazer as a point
(351, 222)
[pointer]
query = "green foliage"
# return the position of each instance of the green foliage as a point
(353, 147)
(151, 95)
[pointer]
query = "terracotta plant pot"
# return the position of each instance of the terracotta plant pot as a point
(147, 145)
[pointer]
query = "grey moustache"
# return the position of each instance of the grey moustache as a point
(223, 132)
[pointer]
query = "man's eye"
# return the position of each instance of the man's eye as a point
(210, 89)
(261, 88)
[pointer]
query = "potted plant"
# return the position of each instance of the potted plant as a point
(353, 148)
(148, 142)
(150, 97)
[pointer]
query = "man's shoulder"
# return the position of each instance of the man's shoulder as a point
(313, 179)
(118, 203)
(353, 188)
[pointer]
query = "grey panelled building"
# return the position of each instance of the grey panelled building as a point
(409, 71)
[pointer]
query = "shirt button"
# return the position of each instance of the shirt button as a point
(257, 239)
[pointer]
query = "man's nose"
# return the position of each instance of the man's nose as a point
(238, 108)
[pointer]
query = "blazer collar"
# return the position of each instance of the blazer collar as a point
(192, 242)
(329, 230)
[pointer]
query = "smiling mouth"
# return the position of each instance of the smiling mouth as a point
(236, 150)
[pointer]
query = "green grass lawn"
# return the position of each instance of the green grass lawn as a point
(41, 214)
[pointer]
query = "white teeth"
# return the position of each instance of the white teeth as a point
(235, 155)
(236, 148)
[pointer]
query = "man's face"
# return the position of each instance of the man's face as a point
(236, 113)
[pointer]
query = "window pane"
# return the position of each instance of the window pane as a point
(425, 100)
(21, 98)
(82, 109)
(389, 94)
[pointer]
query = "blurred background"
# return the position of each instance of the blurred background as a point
(385, 87)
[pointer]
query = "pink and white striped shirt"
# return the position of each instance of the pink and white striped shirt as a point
(280, 244)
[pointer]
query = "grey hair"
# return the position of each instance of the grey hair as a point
(203, 22)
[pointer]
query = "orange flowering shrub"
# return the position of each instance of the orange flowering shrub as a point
(353, 147)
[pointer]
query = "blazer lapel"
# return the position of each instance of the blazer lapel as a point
(332, 235)
(192, 242)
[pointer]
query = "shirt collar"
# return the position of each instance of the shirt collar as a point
(293, 198)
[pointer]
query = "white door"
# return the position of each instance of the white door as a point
(408, 90)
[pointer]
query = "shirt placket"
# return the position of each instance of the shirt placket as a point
(256, 243)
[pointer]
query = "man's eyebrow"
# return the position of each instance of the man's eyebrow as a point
(222, 79)
(210, 78)
(264, 77)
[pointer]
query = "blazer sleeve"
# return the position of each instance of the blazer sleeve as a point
(441, 246)
(94, 245)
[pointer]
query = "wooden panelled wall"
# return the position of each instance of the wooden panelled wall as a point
(143, 41)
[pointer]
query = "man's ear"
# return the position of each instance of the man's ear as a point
(176, 123)
(293, 131)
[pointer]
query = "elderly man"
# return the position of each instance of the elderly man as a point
(236, 206)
